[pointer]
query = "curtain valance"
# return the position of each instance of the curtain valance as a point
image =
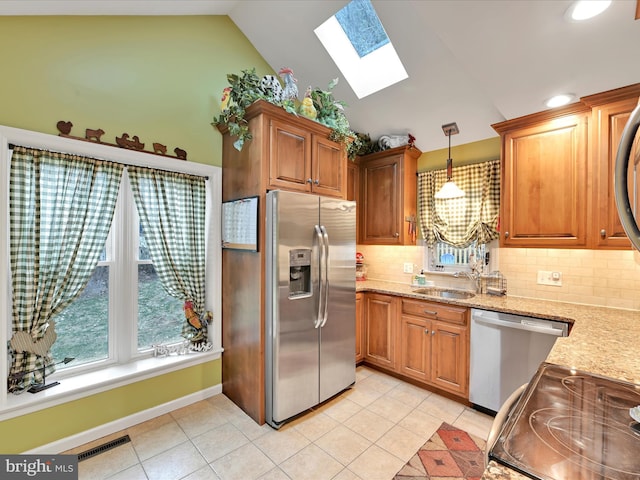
(461, 221)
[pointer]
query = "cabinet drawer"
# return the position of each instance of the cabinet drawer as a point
(436, 311)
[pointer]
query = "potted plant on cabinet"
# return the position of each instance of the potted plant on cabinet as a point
(248, 87)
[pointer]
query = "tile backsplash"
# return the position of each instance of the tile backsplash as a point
(608, 278)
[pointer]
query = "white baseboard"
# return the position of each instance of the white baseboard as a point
(87, 436)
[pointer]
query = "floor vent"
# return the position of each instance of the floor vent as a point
(103, 448)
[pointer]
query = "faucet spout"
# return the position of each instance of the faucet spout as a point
(473, 276)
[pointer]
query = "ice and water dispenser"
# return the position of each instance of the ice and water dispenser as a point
(299, 273)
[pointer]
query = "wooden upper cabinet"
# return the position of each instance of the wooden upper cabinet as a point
(558, 174)
(353, 181)
(544, 183)
(289, 156)
(302, 161)
(328, 167)
(388, 196)
(286, 152)
(610, 113)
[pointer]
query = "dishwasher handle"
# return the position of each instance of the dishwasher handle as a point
(530, 325)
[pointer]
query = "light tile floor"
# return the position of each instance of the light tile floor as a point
(367, 433)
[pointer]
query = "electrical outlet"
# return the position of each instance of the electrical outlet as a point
(408, 267)
(549, 278)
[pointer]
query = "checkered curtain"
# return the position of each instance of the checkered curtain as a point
(461, 221)
(60, 209)
(172, 213)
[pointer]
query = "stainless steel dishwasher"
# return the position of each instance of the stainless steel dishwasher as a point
(506, 350)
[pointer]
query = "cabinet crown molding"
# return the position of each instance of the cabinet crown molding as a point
(585, 104)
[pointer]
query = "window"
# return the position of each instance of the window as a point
(90, 324)
(443, 257)
(358, 44)
(83, 327)
(159, 314)
(110, 325)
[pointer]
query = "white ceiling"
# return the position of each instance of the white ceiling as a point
(471, 62)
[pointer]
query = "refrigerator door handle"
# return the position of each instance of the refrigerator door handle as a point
(325, 237)
(321, 293)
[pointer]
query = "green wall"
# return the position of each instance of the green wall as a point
(474, 152)
(159, 78)
(156, 77)
(24, 433)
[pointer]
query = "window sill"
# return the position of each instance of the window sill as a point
(86, 384)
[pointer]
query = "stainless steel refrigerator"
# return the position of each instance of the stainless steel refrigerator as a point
(310, 302)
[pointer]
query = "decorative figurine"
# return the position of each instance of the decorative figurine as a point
(290, 91)
(306, 108)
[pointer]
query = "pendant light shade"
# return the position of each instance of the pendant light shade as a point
(449, 189)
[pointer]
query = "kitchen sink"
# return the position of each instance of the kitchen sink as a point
(444, 293)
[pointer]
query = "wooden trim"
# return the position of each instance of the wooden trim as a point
(611, 96)
(262, 106)
(539, 117)
(583, 105)
(637, 9)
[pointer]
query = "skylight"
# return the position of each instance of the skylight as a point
(360, 47)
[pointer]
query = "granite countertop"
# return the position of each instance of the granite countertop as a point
(601, 340)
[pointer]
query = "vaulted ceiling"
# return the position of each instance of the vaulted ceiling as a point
(472, 62)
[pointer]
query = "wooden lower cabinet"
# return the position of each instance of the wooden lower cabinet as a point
(450, 358)
(359, 327)
(432, 344)
(415, 340)
(380, 326)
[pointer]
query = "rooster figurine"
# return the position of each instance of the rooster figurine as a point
(224, 101)
(191, 315)
(290, 91)
(307, 109)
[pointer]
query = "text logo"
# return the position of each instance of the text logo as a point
(39, 467)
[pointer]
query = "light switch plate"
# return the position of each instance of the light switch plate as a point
(549, 278)
(408, 267)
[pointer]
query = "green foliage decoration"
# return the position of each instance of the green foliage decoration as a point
(244, 89)
(331, 113)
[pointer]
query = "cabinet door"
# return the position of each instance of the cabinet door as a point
(450, 358)
(381, 191)
(289, 157)
(353, 181)
(415, 347)
(380, 330)
(329, 164)
(610, 121)
(359, 327)
(353, 193)
(545, 181)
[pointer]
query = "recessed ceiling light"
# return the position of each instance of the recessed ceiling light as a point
(586, 9)
(559, 100)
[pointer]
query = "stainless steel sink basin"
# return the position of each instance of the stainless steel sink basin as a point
(444, 293)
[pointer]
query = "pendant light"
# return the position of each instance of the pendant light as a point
(449, 189)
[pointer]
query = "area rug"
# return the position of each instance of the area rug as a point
(450, 454)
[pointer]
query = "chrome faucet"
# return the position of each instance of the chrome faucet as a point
(474, 276)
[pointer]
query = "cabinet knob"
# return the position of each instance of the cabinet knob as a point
(396, 234)
(603, 233)
(506, 234)
(309, 180)
(433, 332)
(426, 330)
(316, 181)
